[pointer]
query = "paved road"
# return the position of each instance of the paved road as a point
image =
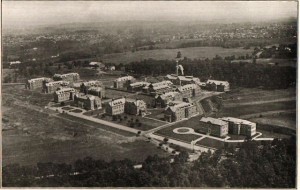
(227, 105)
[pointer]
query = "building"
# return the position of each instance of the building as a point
(115, 107)
(240, 126)
(182, 80)
(159, 88)
(179, 112)
(163, 100)
(37, 83)
(88, 102)
(123, 82)
(71, 77)
(64, 94)
(50, 87)
(219, 86)
(97, 91)
(213, 126)
(189, 90)
(86, 85)
(137, 86)
(135, 107)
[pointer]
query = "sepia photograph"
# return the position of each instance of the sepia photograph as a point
(149, 94)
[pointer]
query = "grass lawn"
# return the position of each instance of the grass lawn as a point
(162, 54)
(283, 120)
(38, 137)
(146, 124)
(157, 114)
(94, 112)
(109, 93)
(211, 143)
(251, 109)
(269, 134)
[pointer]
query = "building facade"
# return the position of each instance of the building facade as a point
(135, 107)
(163, 100)
(64, 94)
(70, 77)
(51, 87)
(218, 86)
(88, 102)
(97, 91)
(189, 90)
(159, 88)
(240, 127)
(86, 85)
(115, 107)
(179, 111)
(182, 80)
(36, 83)
(213, 126)
(123, 82)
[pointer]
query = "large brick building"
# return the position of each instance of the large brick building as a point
(159, 88)
(163, 100)
(86, 85)
(137, 86)
(189, 90)
(97, 91)
(115, 106)
(219, 86)
(64, 94)
(88, 102)
(51, 87)
(179, 112)
(135, 107)
(182, 80)
(123, 82)
(213, 126)
(240, 126)
(37, 83)
(71, 77)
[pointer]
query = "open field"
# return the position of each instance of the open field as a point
(109, 93)
(271, 61)
(283, 120)
(163, 54)
(248, 95)
(258, 108)
(30, 134)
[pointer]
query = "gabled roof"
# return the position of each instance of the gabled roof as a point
(142, 83)
(116, 102)
(168, 95)
(178, 106)
(217, 82)
(213, 121)
(136, 102)
(125, 78)
(94, 88)
(237, 120)
(57, 82)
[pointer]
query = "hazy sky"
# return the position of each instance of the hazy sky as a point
(21, 13)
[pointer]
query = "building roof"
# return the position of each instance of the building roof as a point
(57, 82)
(125, 78)
(171, 77)
(168, 95)
(179, 105)
(187, 87)
(217, 82)
(39, 79)
(214, 121)
(87, 96)
(63, 90)
(137, 84)
(237, 120)
(97, 89)
(65, 75)
(136, 102)
(91, 82)
(117, 102)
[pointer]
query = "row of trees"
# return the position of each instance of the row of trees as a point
(253, 164)
(238, 74)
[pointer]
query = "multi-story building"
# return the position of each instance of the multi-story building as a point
(137, 86)
(86, 85)
(135, 107)
(164, 99)
(115, 106)
(182, 80)
(219, 86)
(240, 127)
(189, 90)
(123, 82)
(37, 83)
(88, 102)
(213, 126)
(97, 91)
(159, 88)
(179, 111)
(71, 77)
(64, 94)
(50, 87)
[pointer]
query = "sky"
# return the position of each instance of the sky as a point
(22, 13)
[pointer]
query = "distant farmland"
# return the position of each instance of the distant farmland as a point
(162, 54)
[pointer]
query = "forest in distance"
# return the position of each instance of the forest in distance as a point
(252, 165)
